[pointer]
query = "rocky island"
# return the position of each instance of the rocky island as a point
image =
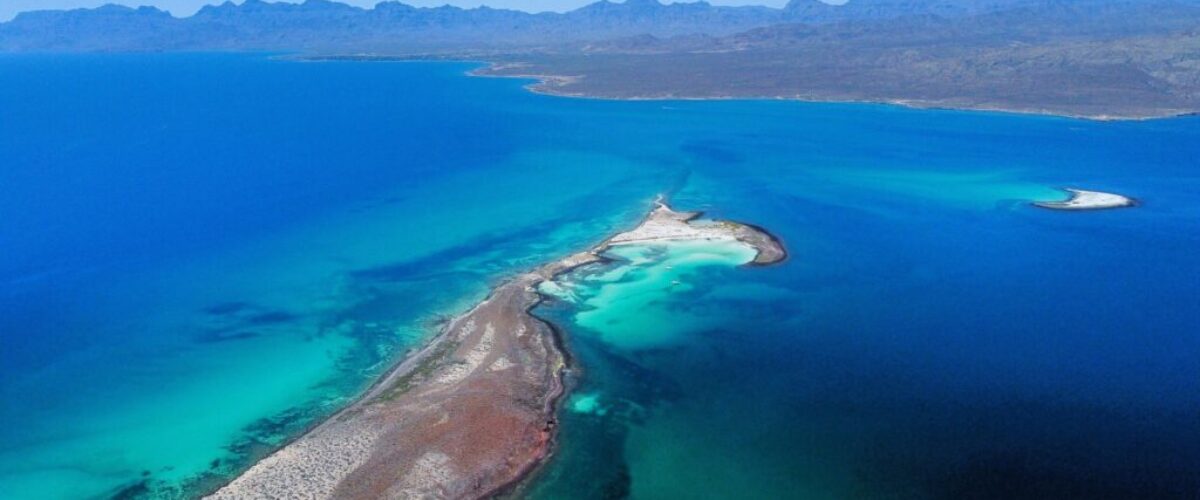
(1089, 200)
(472, 413)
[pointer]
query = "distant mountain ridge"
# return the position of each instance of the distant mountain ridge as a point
(1093, 58)
(1098, 59)
(325, 25)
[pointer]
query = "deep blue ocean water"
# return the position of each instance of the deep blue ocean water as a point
(202, 254)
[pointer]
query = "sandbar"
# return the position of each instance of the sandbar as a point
(1089, 200)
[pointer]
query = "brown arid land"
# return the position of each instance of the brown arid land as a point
(1094, 59)
(474, 412)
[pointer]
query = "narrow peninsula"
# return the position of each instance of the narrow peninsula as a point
(1089, 200)
(474, 412)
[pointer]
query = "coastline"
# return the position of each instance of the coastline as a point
(459, 418)
(551, 85)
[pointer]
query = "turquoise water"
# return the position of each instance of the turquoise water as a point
(627, 304)
(203, 254)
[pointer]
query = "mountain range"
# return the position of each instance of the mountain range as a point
(1091, 58)
(323, 25)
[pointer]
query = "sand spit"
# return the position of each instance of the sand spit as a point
(664, 224)
(472, 413)
(1089, 200)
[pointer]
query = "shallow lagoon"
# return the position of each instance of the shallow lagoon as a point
(626, 304)
(185, 285)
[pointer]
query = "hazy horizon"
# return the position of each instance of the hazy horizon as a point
(184, 8)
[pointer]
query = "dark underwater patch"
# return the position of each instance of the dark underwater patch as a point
(713, 151)
(420, 268)
(270, 318)
(136, 490)
(234, 315)
(226, 308)
(213, 337)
